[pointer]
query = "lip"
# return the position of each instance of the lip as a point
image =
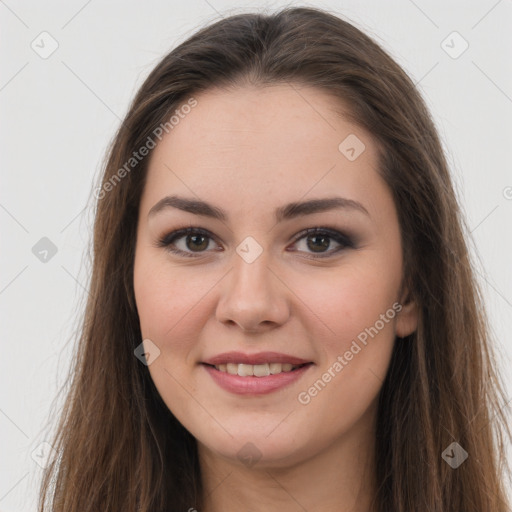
(259, 358)
(255, 385)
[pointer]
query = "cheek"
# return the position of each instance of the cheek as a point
(167, 297)
(353, 328)
(334, 307)
(348, 300)
(169, 307)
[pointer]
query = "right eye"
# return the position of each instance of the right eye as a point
(192, 240)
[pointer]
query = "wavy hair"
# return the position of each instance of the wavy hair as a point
(122, 450)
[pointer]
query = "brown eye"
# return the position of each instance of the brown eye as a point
(197, 242)
(186, 242)
(319, 240)
(192, 242)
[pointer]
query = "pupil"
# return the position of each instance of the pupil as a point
(195, 238)
(323, 244)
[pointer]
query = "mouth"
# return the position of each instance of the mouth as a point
(255, 379)
(257, 370)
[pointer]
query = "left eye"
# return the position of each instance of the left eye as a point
(317, 239)
(188, 241)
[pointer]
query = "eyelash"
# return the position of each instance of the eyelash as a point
(168, 240)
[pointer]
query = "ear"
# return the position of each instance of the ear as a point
(407, 318)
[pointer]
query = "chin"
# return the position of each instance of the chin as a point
(255, 448)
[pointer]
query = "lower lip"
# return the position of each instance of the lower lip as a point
(255, 385)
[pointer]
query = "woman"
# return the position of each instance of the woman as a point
(282, 313)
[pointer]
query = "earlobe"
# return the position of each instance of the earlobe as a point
(407, 318)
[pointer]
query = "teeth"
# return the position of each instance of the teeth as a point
(231, 368)
(261, 370)
(245, 370)
(256, 370)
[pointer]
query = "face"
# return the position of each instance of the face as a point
(269, 273)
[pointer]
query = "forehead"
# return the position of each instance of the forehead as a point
(276, 143)
(281, 118)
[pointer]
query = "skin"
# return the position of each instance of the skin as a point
(250, 150)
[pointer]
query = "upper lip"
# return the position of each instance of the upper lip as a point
(259, 358)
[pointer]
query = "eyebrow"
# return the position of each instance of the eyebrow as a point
(286, 212)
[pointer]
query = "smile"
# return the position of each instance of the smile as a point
(256, 370)
(258, 379)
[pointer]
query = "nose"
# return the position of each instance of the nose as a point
(253, 296)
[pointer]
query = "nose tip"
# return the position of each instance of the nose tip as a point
(252, 297)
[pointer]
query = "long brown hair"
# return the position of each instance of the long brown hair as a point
(119, 446)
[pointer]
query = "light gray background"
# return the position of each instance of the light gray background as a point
(58, 115)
